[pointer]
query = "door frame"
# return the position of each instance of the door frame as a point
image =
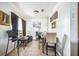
(78, 27)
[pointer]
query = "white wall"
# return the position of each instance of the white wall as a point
(3, 28)
(7, 8)
(73, 30)
(31, 30)
(67, 24)
(63, 24)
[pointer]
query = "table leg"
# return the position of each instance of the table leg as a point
(46, 49)
(18, 47)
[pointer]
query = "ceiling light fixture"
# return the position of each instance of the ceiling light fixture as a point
(36, 11)
(42, 10)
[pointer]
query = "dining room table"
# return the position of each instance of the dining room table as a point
(19, 40)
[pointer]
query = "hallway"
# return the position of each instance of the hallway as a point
(52, 21)
(32, 49)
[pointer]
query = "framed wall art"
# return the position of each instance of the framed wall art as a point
(4, 18)
(53, 19)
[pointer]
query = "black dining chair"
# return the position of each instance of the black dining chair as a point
(12, 36)
(50, 45)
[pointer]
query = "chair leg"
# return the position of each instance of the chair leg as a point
(43, 47)
(25, 43)
(46, 49)
(39, 44)
(18, 47)
(55, 49)
(14, 44)
(7, 48)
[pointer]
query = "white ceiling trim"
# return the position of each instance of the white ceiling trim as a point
(28, 7)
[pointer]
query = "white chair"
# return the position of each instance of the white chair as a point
(61, 45)
(51, 43)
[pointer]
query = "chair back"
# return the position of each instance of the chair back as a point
(12, 35)
(64, 43)
(51, 37)
(64, 40)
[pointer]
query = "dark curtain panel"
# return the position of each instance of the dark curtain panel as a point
(24, 27)
(14, 21)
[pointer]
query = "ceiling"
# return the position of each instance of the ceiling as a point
(28, 7)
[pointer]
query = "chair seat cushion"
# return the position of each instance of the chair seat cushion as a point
(51, 44)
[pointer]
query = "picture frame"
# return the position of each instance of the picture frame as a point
(54, 16)
(54, 25)
(53, 19)
(4, 18)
